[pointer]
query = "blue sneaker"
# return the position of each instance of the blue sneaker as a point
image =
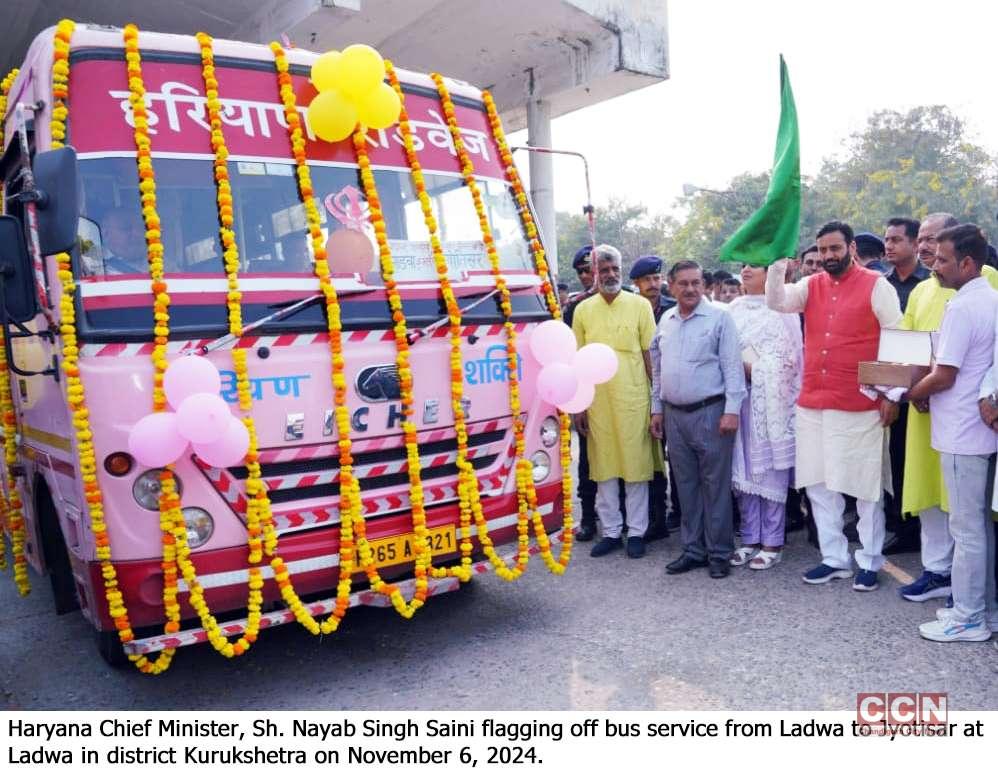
(865, 581)
(823, 573)
(929, 585)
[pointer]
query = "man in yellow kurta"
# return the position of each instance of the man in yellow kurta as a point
(924, 492)
(615, 426)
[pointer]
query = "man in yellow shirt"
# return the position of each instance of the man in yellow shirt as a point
(924, 493)
(615, 426)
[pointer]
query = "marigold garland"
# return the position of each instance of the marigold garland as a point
(400, 329)
(174, 531)
(526, 488)
(6, 405)
(540, 261)
(76, 394)
(259, 503)
(349, 506)
(469, 497)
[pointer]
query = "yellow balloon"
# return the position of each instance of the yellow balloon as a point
(323, 70)
(358, 70)
(331, 116)
(380, 109)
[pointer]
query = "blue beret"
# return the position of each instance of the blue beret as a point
(646, 265)
(871, 240)
(582, 256)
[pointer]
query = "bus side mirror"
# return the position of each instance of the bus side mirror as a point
(17, 282)
(58, 205)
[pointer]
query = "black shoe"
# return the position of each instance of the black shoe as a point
(903, 542)
(657, 530)
(719, 569)
(635, 547)
(586, 533)
(684, 563)
(605, 546)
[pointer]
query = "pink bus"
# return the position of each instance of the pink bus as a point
(288, 355)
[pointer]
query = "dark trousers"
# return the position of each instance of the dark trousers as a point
(701, 458)
(587, 487)
(663, 496)
(896, 522)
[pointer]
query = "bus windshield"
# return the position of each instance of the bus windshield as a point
(273, 241)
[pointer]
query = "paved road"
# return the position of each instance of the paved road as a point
(613, 633)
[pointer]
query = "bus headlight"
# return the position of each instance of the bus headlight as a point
(200, 526)
(147, 487)
(550, 430)
(542, 465)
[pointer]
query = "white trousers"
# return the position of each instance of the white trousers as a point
(829, 517)
(937, 543)
(968, 479)
(608, 508)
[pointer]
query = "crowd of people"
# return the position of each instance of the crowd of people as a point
(737, 409)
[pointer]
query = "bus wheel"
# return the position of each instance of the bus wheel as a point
(109, 646)
(56, 556)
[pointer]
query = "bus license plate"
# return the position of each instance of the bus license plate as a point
(402, 549)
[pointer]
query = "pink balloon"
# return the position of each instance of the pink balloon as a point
(230, 449)
(583, 398)
(557, 383)
(189, 375)
(203, 417)
(595, 363)
(553, 342)
(155, 440)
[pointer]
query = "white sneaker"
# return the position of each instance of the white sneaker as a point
(949, 630)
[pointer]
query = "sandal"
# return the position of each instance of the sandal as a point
(765, 559)
(743, 555)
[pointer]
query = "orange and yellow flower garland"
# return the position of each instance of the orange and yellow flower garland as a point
(468, 494)
(174, 532)
(7, 509)
(526, 488)
(259, 503)
(540, 257)
(349, 506)
(75, 392)
(422, 549)
(540, 260)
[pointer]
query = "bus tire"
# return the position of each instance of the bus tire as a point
(110, 648)
(60, 572)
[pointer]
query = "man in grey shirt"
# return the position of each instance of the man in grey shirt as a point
(698, 379)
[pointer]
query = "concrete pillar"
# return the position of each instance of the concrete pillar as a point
(542, 176)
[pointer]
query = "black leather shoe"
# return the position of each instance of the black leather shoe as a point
(719, 569)
(904, 542)
(605, 546)
(586, 533)
(684, 563)
(656, 530)
(635, 547)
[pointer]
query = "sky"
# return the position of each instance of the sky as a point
(716, 115)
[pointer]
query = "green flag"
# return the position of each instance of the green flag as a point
(772, 231)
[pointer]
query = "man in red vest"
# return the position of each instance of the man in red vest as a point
(841, 434)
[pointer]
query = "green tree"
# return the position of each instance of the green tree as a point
(900, 164)
(626, 226)
(909, 164)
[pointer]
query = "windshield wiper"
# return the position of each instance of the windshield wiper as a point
(287, 309)
(418, 334)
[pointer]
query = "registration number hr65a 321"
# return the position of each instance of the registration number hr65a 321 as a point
(402, 548)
